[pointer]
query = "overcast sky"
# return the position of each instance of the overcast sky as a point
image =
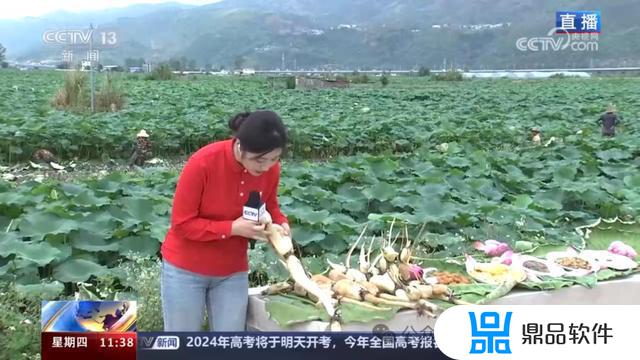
(15, 9)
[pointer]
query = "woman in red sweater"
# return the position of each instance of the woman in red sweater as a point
(205, 263)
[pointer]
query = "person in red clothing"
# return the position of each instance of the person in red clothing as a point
(205, 262)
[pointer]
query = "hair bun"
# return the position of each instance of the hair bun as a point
(236, 121)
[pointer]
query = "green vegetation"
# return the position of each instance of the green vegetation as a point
(455, 156)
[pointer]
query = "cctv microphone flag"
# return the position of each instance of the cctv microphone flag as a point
(254, 208)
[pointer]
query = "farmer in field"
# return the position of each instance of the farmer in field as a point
(609, 120)
(205, 263)
(536, 138)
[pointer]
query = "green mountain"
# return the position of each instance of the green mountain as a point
(349, 33)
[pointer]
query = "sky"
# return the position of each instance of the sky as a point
(16, 9)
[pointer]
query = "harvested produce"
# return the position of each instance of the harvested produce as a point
(448, 278)
(493, 273)
(284, 245)
(492, 247)
(573, 262)
(610, 260)
(620, 248)
(506, 257)
(535, 267)
(399, 284)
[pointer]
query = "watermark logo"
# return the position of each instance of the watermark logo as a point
(574, 30)
(80, 37)
(579, 22)
(68, 56)
(487, 335)
(558, 39)
(164, 342)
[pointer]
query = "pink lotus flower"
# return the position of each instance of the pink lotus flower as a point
(492, 247)
(506, 257)
(416, 272)
(620, 248)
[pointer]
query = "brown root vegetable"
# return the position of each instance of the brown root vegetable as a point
(389, 253)
(394, 298)
(363, 304)
(299, 275)
(336, 275)
(383, 282)
(382, 265)
(348, 288)
(371, 288)
(429, 307)
(405, 272)
(356, 275)
(277, 288)
(299, 290)
(452, 299)
(326, 288)
(405, 255)
(358, 292)
(337, 267)
(439, 289)
(280, 242)
(320, 279)
(394, 274)
(401, 294)
(426, 291)
(389, 300)
(413, 293)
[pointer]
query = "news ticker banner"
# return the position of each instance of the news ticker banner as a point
(106, 330)
(238, 345)
(286, 345)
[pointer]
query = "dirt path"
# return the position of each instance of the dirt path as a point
(22, 172)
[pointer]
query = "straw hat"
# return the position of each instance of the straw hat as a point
(611, 108)
(142, 133)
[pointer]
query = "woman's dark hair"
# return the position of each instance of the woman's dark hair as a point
(259, 132)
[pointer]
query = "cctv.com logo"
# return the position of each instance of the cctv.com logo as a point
(562, 41)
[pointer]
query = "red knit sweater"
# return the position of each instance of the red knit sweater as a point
(211, 191)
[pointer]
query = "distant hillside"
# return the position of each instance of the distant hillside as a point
(344, 33)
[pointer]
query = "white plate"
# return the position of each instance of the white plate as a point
(555, 255)
(610, 260)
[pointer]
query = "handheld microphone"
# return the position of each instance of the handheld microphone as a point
(253, 210)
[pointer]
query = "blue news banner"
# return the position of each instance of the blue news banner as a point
(285, 345)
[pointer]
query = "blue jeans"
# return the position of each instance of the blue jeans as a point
(185, 295)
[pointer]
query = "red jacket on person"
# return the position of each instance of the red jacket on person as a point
(212, 189)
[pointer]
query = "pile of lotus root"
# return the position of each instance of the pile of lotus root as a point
(389, 280)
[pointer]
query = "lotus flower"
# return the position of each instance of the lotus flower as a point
(506, 257)
(416, 272)
(492, 247)
(620, 248)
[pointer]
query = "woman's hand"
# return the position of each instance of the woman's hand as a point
(248, 229)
